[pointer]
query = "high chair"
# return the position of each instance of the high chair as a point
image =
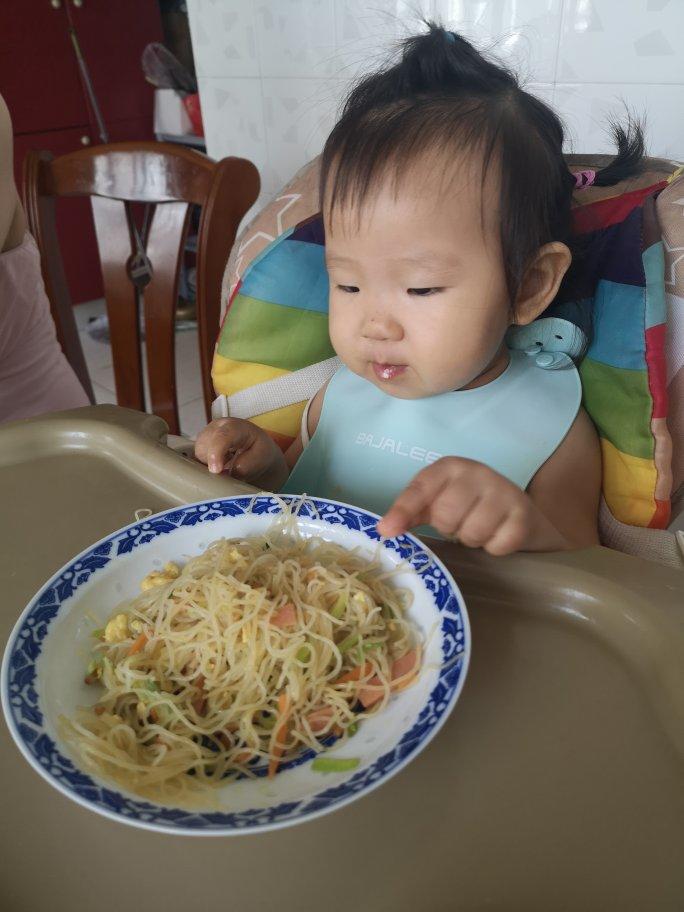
(273, 352)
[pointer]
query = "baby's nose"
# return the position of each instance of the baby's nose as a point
(382, 327)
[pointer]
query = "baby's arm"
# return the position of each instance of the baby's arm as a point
(567, 488)
(246, 451)
(468, 501)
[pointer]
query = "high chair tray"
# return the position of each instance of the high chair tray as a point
(557, 784)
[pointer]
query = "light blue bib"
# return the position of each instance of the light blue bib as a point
(368, 445)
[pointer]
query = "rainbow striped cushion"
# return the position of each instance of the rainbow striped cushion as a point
(623, 373)
(276, 322)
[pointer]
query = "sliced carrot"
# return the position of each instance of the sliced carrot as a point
(405, 670)
(138, 644)
(98, 710)
(406, 664)
(371, 692)
(243, 757)
(400, 677)
(361, 671)
(319, 718)
(280, 734)
(285, 616)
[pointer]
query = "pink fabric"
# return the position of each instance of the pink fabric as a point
(35, 377)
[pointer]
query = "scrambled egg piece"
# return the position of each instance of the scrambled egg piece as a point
(158, 578)
(117, 629)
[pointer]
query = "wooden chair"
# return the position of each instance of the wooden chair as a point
(171, 178)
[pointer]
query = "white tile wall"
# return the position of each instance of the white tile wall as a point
(272, 73)
(585, 107)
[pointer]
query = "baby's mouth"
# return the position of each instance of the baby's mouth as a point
(388, 372)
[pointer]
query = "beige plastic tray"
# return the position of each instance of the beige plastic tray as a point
(557, 784)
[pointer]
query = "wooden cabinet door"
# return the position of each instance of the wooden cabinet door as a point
(112, 37)
(38, 71)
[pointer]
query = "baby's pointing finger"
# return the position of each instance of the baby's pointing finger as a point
(412, 507)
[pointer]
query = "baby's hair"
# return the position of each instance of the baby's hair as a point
(445, 95)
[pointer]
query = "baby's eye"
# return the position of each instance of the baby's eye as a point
(348, 289)
(424, 292)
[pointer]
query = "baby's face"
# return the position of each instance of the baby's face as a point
(418, 299)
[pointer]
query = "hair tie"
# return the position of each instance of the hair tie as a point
(450, 37)
(584, 178)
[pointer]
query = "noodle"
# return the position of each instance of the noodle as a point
(254, 651)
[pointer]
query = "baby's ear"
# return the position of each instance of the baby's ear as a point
(541, 281)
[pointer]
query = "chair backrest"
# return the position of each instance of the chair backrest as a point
(171, 178)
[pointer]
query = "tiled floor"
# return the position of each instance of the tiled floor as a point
(98, 357)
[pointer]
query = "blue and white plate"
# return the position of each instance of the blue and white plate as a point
(42, 671)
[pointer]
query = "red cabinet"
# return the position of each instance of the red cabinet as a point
(113, 36)
(41, 83)
(38, 71)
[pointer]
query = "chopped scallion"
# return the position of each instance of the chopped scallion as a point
(340, 606)
(348, 642)
(334, 764)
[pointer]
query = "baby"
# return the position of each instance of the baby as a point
(446, 205)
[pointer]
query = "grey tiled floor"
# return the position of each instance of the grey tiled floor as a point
(98, 357)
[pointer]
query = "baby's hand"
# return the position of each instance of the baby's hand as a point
(468, 501)
(242, 449)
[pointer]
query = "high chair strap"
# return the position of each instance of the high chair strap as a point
(298, 386)
(652, 544)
